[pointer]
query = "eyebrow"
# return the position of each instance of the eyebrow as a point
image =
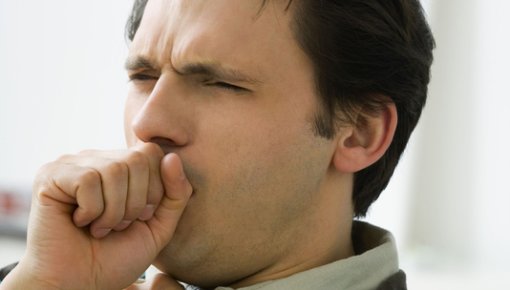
(138, 63)
(210, 70)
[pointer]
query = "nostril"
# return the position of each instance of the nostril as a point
(161, 141)
(167, 145)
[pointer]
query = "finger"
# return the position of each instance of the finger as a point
(71, 184)
(89, 197)
(177, 193)
(114, 180)
(155, 192)
(142, 162)
(152, 152)
(138, 182)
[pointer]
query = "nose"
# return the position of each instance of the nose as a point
(164, 117)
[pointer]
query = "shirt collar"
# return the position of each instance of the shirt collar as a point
(375, 260)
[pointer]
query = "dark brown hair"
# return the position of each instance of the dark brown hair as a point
(365, 53)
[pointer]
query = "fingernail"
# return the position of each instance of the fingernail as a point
(147, 213)
(122, 225)
(101, 233)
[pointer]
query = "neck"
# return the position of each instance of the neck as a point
(324, 238)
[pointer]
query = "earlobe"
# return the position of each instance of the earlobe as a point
(363, 143)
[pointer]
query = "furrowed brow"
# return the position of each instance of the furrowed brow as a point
(216, 72)
(139, 63)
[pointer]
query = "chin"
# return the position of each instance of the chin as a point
(183, 265)
(191, 268)
(191, 277)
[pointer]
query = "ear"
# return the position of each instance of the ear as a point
(363, 143)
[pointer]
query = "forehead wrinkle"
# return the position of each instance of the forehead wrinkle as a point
(154, 38)
(199, 46)
(177, 40)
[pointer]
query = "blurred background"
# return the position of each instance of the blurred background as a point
(62, 89)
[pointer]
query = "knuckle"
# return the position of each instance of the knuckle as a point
(44, 183)
(116, 169)
(89, 176)
(41, 191)
(137, 160)
(65, 158)
(92, 211)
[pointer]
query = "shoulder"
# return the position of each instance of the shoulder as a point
(396, 281)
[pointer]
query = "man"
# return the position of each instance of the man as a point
(257, 130)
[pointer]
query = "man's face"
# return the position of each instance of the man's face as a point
(229, 90)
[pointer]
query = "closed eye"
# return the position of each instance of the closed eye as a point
(142, 77)
(227, 86)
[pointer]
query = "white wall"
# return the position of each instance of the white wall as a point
(492, 127)
(62, 83)
(62, 88)
(453, 224)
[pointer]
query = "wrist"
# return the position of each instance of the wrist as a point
(19, 279)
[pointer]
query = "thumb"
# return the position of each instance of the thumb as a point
(177, 193)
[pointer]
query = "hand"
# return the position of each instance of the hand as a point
(99, 219)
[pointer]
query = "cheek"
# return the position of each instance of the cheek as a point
(266, 181)
(251, 133)
(255, 152)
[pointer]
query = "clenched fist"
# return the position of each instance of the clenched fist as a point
(99, 218)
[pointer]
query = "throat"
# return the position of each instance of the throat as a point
(315, 254)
